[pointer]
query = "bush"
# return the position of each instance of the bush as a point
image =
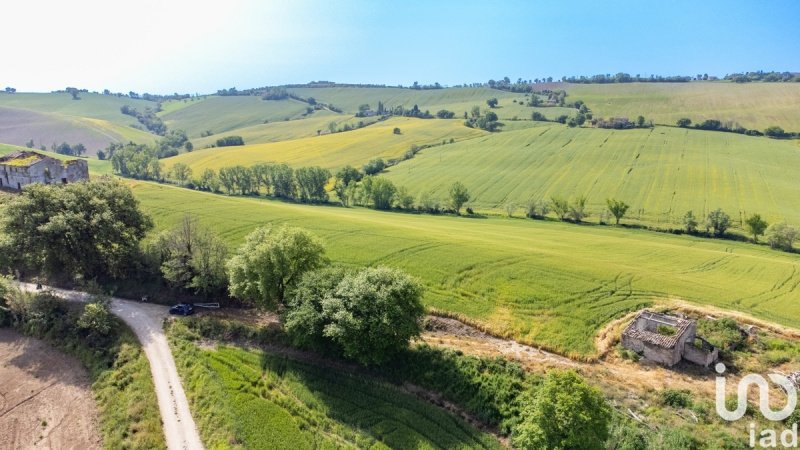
(676, 398)
(230, 141)
(781, 236)
(374, 167)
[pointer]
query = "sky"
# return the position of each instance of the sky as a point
(195, 46)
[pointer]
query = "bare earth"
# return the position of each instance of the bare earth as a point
(45, 397)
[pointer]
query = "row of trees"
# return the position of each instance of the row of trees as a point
(487, 121)
(148, 118)
(729, 126)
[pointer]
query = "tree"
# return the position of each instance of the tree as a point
(96, 320)
(74, 92)
(343, 308)
(283, 181)
(209, 181)
(560, 206)
(640, 121)
(262, 176)
(492, 102)
(381, 191)
(510, 209)
(775, 132)
(193, 257)
(782, 236)
(756, 226)
(375, 166)
(230, 141)
(458, 196)
(403, 198)
(690, 222)
(538, 117)
(396, 130)
(536, 209)
(578, 209)
(475, 112)
(684, 122)
(270, 263)
(566, 413)
(618, 208)
(227, 179)
(310, 182)
(445, 114)
(719, 221)
(89, 229)
(182, 173)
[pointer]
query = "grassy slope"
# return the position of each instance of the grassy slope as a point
(660, 172)
(334, 150)
(222, 115)
(458, 100)
(96, 167)
(261, 401)
(753, 105)
(548, 283)
(94, 121)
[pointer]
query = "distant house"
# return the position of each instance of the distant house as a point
(667, 340)
(19, 169)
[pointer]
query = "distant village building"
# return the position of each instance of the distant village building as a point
(667, 340)
(19, 169)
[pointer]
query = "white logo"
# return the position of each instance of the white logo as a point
(763, 394)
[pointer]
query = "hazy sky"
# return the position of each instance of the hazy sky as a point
(188, 46)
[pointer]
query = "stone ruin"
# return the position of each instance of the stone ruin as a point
(19, 169)
(668, 340)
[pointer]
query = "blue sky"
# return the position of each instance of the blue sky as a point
(164, 46)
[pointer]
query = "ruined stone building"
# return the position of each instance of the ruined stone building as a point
(19, 169)
(667, 340)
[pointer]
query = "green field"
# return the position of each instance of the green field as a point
(222, 115)
(661, 172)
(334, 150)
(252, 399)
(547, 283)
(752, 105)
(94, 120)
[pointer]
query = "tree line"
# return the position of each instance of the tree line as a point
(774, 131)
(147, 118)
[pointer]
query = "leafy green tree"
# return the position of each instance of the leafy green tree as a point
(617, 208)
(445, 114)
(282, 177)
(348, 174)
(640, 121)
(227, 179)
(381, 192)
(756, 226)
(96, 321)
(458, 196)
(375, 166)
(538, 117)
(560, 206)
(310, 182)
(782, 236)
(492, 102)
(182, 173)
(82, 229)
(775, 132)
(566, 413)
(578, 209)
(342, 308)
(536, 209)
(193, 258)
(684, 122)
(262, 176)
(396, 130)
(403, 198)
(475, 112)
(690, 222)
(270, 263)
(719, 221)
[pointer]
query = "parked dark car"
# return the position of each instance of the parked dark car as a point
(182, 309)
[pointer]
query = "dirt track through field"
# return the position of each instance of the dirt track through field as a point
(146, 320)
(45, 397)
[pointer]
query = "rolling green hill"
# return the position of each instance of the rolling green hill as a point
(334, 150)
(661, 172)
(94, 120)
(548, 283)
(752, 105)
(223, 115)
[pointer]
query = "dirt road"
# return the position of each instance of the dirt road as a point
(146, 320)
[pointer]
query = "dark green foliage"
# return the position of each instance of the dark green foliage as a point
(492, 102)
(69, 150)
(565, 413)
(458, 196)
(335, 308)
(91, 230)
(375, 166)
(230, 141)
(676, 398)
(148, 118)
(311, 183)
(617, 208)
(684, 122)
(135, 161)
(381, 191)
(445, 114)
(756, 226)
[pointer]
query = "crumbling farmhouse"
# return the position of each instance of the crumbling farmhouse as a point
(667, 340)
(19, 169)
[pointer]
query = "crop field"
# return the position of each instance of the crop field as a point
(270, 402)
(221, 115)
(547, 283)
(661, 172)
(334, 150)
(752, 105)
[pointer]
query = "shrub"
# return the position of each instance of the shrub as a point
(676, 398)
(782, 236)
(230, 141)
